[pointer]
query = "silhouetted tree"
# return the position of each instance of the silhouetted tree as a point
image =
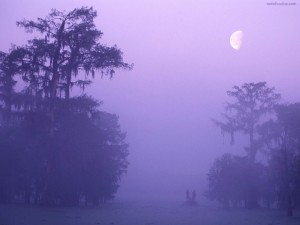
(296, 176)
(234, 181)
(59, 150)
(251, 102)
(69, 44)
(9, 68)
(282, 137)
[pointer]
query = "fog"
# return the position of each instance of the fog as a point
(183, 66)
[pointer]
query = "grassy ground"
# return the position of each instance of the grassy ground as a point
(142, 214)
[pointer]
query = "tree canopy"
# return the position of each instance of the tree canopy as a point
(68, 43)
(251, 101)
(243, 181)
(55, 148)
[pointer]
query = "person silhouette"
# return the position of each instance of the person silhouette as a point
(188, 195)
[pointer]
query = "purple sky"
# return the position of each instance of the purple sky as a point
(184, 64)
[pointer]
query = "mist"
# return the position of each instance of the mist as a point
(183, 67)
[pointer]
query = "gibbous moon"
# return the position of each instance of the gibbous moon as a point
(236, 39)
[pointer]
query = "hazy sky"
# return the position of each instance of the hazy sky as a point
(184, 64)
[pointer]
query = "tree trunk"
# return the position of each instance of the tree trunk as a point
(252, 150)
(287, 183)
(71, 67)
(55, 72)
(289, 206)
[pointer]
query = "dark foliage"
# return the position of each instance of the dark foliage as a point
(241, 181)
(251, 101)
(56, 149)
(235, 181)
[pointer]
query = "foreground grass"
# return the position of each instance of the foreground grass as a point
(142, 214)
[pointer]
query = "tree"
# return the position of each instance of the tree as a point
(69, 44)
(251, 102)
(282, 137)
(227, 183)
(89, 155)
(220, 177)
(296, 176)
(61, 149)
(9, 68)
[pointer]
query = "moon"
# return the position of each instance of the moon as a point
(236, 39)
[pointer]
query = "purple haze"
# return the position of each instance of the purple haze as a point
(183, 67)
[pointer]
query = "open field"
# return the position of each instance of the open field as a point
(142, 213)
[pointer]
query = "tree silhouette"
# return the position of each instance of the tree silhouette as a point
(59, 149)
(282, 137)
(251, 102)
(69, 44)
(228, 185)
(9, 68)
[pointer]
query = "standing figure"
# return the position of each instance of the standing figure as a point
(188, 195)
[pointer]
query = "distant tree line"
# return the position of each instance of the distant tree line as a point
(58, 149)
(273, 130)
